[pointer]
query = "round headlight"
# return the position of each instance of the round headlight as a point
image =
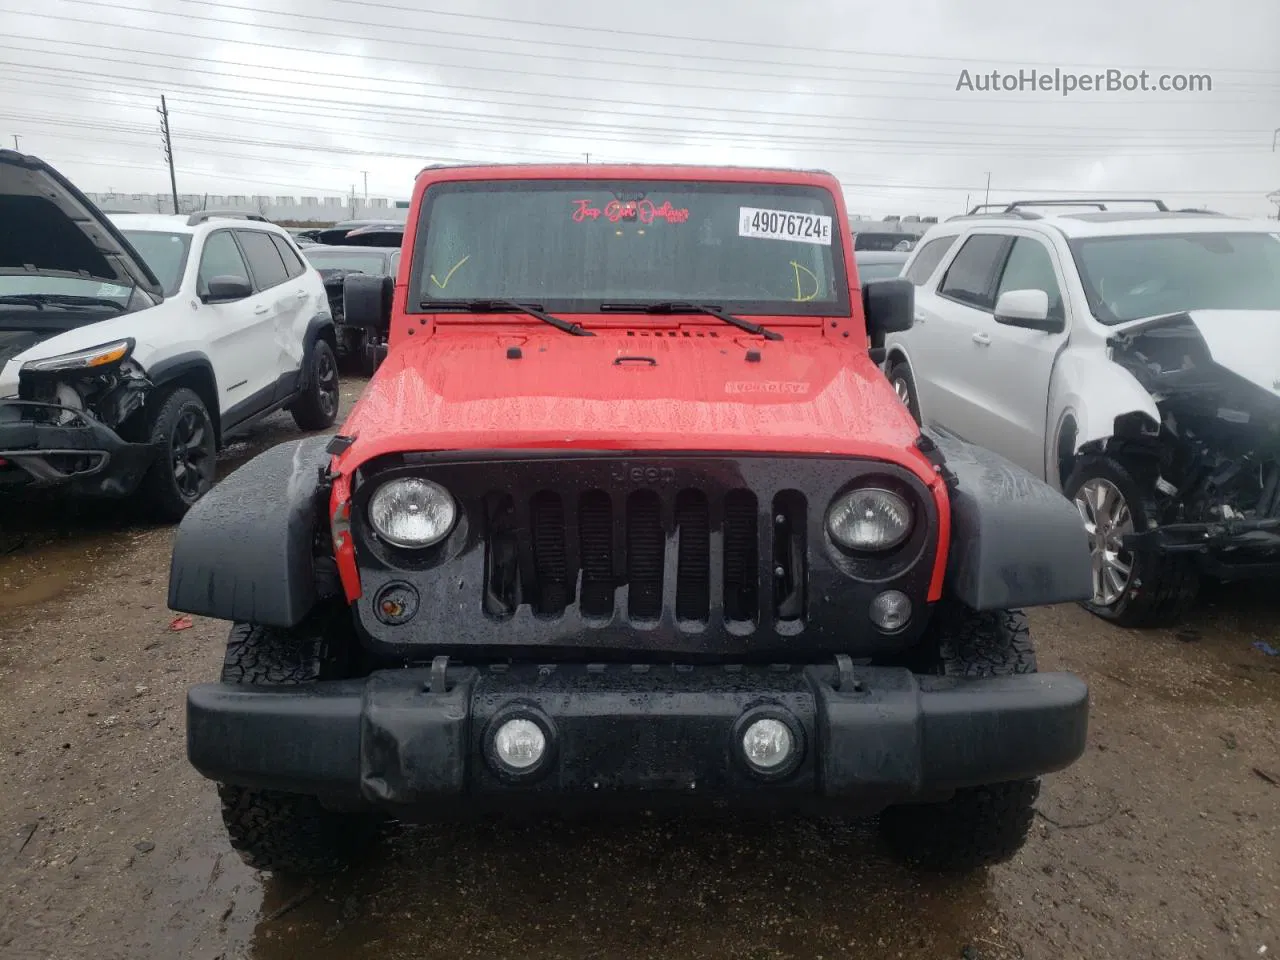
(412, 513)
(869, 519)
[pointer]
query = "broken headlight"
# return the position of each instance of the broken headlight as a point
(88, 360)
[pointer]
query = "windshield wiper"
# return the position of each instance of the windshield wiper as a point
(499, 306)
(676, 306)
(38, 300)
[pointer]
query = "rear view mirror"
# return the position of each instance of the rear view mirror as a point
(1028, 309)
(889, 306)
(366, 301)
(227, 290)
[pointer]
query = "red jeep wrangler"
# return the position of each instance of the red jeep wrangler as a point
(629, 515)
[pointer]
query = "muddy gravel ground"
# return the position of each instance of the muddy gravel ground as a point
(1163, 841)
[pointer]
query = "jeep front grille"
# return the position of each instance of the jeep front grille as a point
(598, 554)
(625, 555)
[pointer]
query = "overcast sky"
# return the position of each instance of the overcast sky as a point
(284, 97)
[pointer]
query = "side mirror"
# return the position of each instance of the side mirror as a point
(227, 290)
(889, 306)
(1028, 309)
(366, 301)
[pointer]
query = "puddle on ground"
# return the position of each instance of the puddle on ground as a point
(674, 889)
(49, 565)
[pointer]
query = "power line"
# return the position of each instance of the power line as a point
(681, 62)
(473, 122)
(769, 44)
(845, 179)
(329, 105)
(936, 146)
(293, 72)
(486, 67)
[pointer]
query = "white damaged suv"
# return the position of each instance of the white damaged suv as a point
(1131, 359)
(131, 350)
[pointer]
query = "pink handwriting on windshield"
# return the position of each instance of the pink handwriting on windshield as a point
(644, 211)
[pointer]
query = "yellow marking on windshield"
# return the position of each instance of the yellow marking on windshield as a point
(452, 270)
(800, 296)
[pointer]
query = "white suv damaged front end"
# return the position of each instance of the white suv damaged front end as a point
(70, 286)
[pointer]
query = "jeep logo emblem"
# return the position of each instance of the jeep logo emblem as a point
(624, 473)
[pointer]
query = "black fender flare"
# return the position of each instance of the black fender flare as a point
(1015, 540)
(246, 549)
(166, 371)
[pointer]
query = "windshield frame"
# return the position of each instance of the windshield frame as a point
(1097, 308)
(840, 307)
(181, 274)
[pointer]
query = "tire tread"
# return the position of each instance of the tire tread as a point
(978, 826)
(271, 829)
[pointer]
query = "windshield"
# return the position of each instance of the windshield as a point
(328, 260)
(19, 285)
(164, 253)
(572, 245)
(1131, 277)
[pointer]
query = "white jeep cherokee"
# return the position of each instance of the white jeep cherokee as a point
(130, 351)
(1132, 359)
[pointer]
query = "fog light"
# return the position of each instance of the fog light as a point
(891, 610)
(767, 744)
(519, 745)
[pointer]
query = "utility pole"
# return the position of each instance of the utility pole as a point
(967, 208)
(986, 200)
(353, 201)
(1274, 136)
(366, 187)
(163, 110)
(588, 156)
(1274, 197)
(15, 142)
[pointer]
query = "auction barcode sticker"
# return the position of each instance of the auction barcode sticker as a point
(784, 225)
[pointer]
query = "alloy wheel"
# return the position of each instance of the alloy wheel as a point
(190, 457)
(1106, 519)
(327, 383)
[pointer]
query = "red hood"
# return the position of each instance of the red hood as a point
(460, 391)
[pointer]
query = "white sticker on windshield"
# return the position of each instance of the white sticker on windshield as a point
(784, 225)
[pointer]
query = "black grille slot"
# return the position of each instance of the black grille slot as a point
(789, 574)
(595, 535)
(646, 547)
(741, 557)
(550, 563)
(693, 561)
(502, 556)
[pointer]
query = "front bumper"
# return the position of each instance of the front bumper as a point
(416, 741)
(83, 455)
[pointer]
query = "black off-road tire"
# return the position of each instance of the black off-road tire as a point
(978, 826)
(167, 489)
(317, 407)
(899, 376)
(1161, 586)
(270, 829)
